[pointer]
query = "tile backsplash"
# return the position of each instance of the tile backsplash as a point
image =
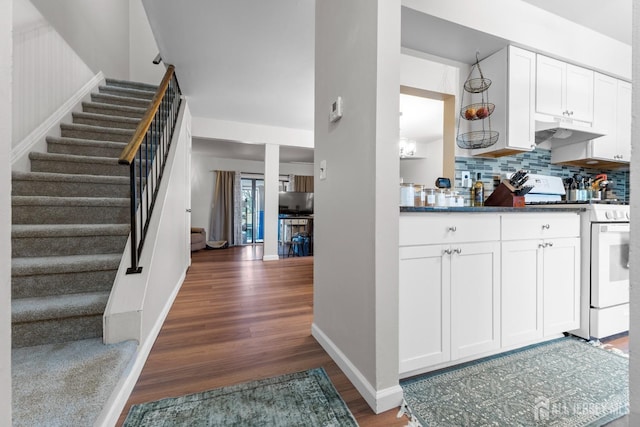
(536, 162)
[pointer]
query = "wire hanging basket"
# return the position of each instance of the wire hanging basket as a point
(480, 110)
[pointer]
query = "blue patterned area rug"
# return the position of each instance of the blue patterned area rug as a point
(305, 398)
(565, 382)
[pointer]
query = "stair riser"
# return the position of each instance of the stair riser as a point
(69, 215)
(111, 112)
(84, 168)
(55, 331)
(105, 123)
(69, 189)
(84, 150)
(128, 92)
(67, 245)
(131, 85)
(127, 102)
(61, 284)
(97, 136)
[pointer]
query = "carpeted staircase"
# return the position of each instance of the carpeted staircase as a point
(70, 220)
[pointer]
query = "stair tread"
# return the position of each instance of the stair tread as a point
(98, 129)
(118, 98)
(129, 83)
(64, 230)
(72, 158)
(106, 106)
(58, 306)
(68, 201)
(129, 89)
(105, 117)
(67, 177)
(29, 266)
(85, 142)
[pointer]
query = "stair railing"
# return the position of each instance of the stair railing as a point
(146, 154)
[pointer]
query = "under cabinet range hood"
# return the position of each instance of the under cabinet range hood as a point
(564, 132)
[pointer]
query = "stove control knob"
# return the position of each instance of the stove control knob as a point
(609, 215)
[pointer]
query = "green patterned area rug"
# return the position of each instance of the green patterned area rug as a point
(565, 382)
(305, 398)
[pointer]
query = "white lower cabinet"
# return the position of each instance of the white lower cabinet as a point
(540, 292)
(462, 299)
(475, 298)
(424, 306)
(561, 285)
(521, 292)
(449, 302)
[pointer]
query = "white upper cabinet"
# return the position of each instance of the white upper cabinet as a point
(612, 116)
(513, 91)
(563, 90)
(623, 122)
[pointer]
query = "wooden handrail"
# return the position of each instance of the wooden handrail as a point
(129, 152)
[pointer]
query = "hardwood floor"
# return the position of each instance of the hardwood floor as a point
(238, 319)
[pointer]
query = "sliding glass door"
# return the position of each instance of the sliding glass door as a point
(252, 210)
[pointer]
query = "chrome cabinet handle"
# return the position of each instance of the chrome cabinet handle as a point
(447, 251)
(541, 245)
(545, 226)
(548, 244)
(457, 251)
(452, 228)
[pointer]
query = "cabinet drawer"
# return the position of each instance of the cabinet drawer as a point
(436, 228)
(520, 226)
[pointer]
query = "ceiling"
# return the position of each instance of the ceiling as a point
(253, 61)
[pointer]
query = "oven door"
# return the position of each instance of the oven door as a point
(609, 264)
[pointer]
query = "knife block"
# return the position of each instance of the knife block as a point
(504, 195)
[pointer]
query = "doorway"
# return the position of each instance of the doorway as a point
(442, 147)
(252, 210)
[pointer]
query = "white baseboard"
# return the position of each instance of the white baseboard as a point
(38, 135)
(118, 399)
(379, 400)
(270, 258)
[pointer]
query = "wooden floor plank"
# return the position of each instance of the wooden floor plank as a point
(239, 319)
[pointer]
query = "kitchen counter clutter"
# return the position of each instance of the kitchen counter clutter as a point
(491, 209)
(474, 284)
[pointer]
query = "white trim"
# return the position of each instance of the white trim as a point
(113, 408)
(270, 258)
(379, 400)
(39, 133)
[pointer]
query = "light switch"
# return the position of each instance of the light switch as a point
(323, 170)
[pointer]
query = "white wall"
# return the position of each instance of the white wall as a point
(142, 47)
(46, 70)
(97, 30)
(5, 211)
(634, 256)
(530, 27)
(423, 171)
(203, 181)
(356, 288)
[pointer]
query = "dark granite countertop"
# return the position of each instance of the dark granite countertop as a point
(489, 209)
